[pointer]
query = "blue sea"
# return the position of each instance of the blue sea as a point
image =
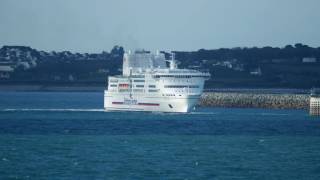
(67, 135)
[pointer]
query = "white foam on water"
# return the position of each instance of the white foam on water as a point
(273, 114)
(205, 113)
(189, 113)
(53, 110)
(260, 114)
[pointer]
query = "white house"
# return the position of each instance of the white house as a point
(309, 60)
(5, 71)
(256, 72)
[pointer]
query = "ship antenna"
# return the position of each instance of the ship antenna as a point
(172, 62)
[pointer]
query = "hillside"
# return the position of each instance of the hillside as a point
(295, 66)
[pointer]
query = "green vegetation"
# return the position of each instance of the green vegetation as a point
(295, 66)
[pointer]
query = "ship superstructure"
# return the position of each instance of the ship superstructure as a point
(147, 84)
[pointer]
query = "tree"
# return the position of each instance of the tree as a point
(117, 51)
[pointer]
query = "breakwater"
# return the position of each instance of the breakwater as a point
(251, 100)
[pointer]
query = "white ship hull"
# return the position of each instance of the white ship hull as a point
(181, 104)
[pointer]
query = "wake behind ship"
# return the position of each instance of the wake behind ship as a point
(147, 84)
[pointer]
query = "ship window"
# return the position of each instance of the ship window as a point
(152, 86)
(180, 86)
(140, 86)
(124, 85)
(138, 76)
(153, 90)
(170, 95)
(182, 76)
(137, 90)
(113, 80)
(113, 85)
(201, 76)
(138, 80)
(175, 76)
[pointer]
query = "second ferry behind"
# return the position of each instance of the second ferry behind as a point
(147, 84)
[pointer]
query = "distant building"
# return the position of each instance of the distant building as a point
(6, 68)
(71, 78)
(204, 61)
(238, 67)
(5, 71)
(56, 78)
(280, 60)
(309, 60)
(256, 72)
(194, 66)
(227, 64)
(25, 65)
(103, 71)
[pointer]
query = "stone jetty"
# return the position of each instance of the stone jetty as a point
(251, 100)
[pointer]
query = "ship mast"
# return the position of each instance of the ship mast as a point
(172, 62)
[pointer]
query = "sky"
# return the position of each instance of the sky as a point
(182, 25)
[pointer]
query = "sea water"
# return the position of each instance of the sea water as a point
(67, 135)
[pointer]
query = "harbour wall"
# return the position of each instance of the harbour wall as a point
(242, 98)
(252, 100)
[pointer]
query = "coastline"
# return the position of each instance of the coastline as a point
(225, 97)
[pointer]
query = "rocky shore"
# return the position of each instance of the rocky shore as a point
(249, 100)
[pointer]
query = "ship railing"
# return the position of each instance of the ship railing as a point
(259, 90)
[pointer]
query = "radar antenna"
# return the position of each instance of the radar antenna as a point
(173, 61)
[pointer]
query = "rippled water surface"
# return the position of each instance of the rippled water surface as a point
(55, 135)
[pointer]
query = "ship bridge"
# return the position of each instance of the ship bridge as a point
(142, 61)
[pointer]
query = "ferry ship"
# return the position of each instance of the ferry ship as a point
(149, 82)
